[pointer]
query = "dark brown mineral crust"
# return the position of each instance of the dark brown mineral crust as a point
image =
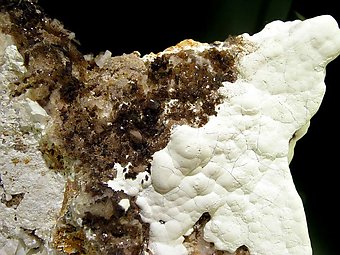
(121, 112)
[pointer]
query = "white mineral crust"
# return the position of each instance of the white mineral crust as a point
(25, 226)
(236, 167)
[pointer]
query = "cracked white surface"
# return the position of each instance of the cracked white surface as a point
(236, 166)
(22, 168)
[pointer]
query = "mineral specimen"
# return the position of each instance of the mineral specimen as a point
(185, 151)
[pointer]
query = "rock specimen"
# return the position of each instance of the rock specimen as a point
(182, 152)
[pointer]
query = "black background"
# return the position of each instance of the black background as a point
(151, 27)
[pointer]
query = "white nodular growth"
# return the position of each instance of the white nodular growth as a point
(236, 167)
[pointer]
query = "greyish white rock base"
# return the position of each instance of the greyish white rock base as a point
(31, 194)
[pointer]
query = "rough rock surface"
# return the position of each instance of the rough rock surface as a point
(182, 152)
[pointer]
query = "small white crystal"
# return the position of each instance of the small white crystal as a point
(101, 59)
(37, 113)
(125, 204)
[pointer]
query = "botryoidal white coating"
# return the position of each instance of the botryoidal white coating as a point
(236, 167)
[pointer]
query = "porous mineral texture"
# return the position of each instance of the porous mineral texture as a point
(182, 152)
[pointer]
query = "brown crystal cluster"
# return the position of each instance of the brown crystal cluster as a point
(121, 112)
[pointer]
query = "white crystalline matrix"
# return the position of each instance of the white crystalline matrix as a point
(236, 167)
(31, 196)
